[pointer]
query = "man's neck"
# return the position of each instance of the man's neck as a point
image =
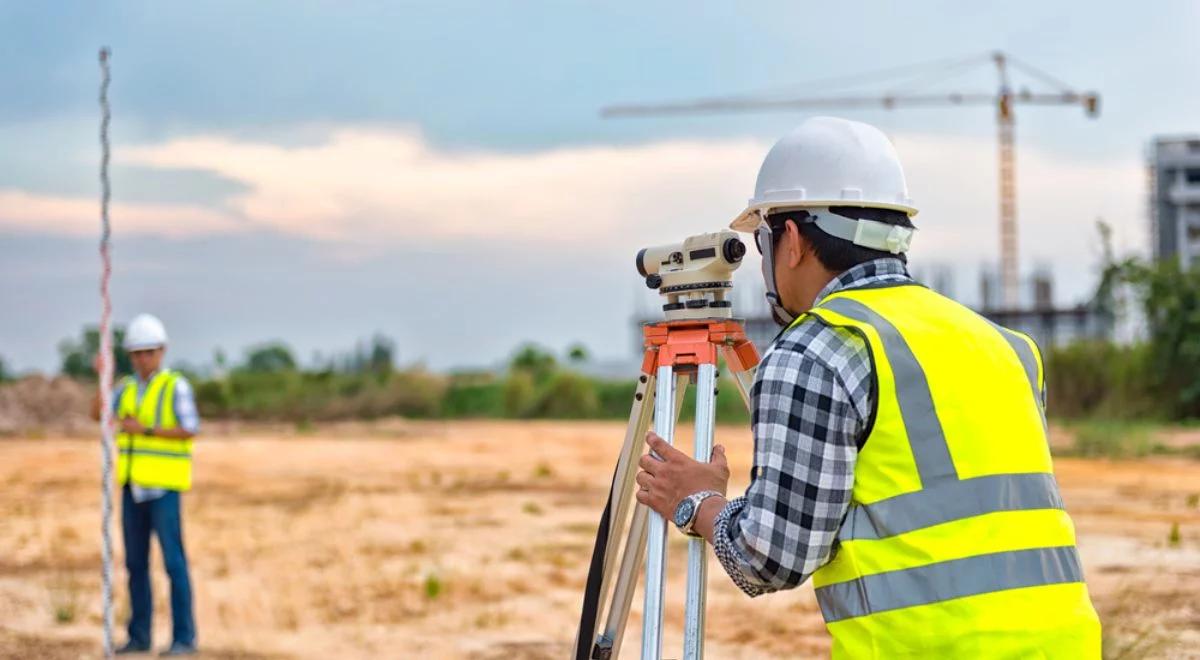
(147, 377)
(819, 285)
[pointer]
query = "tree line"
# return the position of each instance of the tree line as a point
(1156, 377)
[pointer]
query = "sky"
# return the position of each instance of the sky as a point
(317, 172)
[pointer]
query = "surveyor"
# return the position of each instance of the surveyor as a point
(156, 418)
(900, 442)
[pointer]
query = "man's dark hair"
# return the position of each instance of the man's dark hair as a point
(838, 254)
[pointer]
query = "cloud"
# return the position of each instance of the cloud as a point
(377, 187)
(391, 185)
(76, 216)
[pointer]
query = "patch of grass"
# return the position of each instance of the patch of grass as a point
(585, 528)
(64, 613)
(1190, 451)
(1173, 537)
(1193, 500)
(492, 619)
(532, 508)
(1114, 439)
(433, 586)
(543, 471)
(64, 599)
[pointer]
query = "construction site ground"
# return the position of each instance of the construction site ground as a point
(471, 540)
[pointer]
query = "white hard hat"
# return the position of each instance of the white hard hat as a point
(145, 331)
(825, 162)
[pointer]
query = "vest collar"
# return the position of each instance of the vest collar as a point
(154, 374)
(877, 270)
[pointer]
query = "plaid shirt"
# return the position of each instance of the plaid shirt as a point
(813, 396)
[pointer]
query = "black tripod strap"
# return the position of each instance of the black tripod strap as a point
(591, 593)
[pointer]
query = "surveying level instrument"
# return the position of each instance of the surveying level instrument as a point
(695, 278)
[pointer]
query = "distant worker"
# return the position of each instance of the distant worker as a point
(900, 455)
(156, 419)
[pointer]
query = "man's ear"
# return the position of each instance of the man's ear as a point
(794, 245)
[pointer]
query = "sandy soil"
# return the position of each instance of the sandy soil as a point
(430, 540)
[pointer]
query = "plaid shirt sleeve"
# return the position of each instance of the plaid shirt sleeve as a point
(812, 405)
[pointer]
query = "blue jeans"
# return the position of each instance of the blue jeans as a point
(162, 516)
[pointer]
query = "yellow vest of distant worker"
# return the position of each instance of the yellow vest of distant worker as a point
(956, 544)
(146, 460)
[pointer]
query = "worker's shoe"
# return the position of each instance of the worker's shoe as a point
(178, 648)
(132, 647)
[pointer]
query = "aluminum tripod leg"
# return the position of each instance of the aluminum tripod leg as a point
(656, 533)
(697, 573)
(617, 615)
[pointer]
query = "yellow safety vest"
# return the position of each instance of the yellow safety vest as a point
(956, 544)
(152, 461)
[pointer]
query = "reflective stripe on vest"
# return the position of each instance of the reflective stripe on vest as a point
(1024, 349)
(958, 530)
(912, 391)
(947, 580)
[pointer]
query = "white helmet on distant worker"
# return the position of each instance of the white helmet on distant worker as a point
(824, 162)
(145, 331)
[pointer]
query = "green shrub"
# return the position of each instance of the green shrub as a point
(212, 398)
(473, 399)
(1095, 378)
(567, 395)
(520, 395)
(615, 398)
(324, 395)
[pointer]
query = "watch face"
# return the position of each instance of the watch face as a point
(683, 512)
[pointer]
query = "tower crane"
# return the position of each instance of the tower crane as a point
(1003, 100)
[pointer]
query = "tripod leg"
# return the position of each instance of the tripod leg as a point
(656, 539)
(744, 379)
(620, 497)
(610, 639)
(608, 643)
(697, 573)
(631, 450)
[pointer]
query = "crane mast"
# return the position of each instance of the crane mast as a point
(1006, 150)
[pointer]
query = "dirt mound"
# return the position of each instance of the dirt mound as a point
(37, 404)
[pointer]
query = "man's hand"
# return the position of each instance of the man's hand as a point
(131, 425)
(666, 480)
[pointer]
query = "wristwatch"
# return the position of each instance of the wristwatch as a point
(149, 430)
(685, 512)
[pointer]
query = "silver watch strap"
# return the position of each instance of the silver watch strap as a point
(697, 499)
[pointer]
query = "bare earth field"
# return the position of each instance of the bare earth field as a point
(471, 540)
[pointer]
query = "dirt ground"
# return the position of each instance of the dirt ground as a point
(471, 540)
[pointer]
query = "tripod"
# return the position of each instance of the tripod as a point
(676, 352)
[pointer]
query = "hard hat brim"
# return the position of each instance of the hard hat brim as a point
(748, 220)
(143, 346)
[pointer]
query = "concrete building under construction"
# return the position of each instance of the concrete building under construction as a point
(1174, 167)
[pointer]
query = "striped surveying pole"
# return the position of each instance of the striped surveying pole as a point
(105, 367)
